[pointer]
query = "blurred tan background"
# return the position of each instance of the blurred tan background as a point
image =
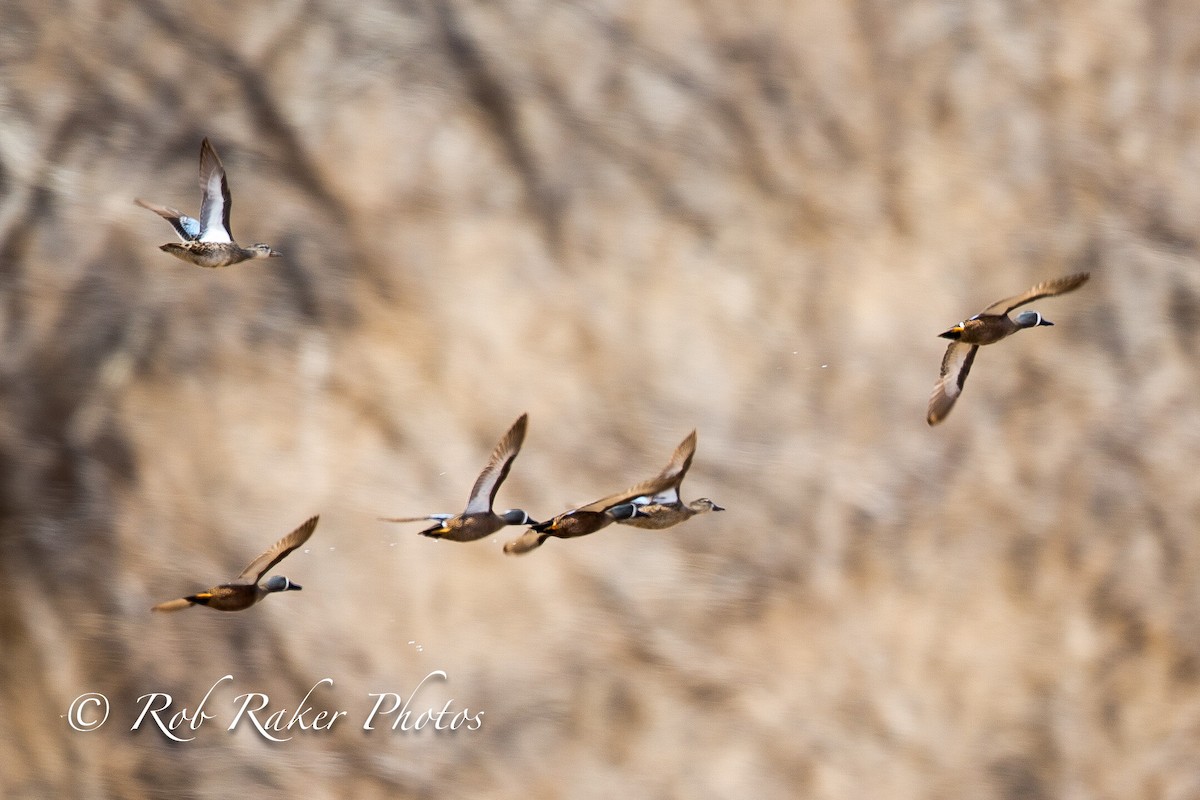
(628, 219)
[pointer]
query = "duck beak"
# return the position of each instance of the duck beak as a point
(294, 586)
(1045, 322)
(718, 508)
(274, 254)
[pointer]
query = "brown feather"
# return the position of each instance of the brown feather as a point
(278, 551)
(1049, 288)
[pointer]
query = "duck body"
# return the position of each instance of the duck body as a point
(579, 522)
(216, 254)
(657, 516)
(984, 329)
(470, 527)
(230, 596)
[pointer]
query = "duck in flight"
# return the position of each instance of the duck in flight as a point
(620, 507)
(207, 242)
(664, 509)
(987, 327)
(244, 590)
(478, 519)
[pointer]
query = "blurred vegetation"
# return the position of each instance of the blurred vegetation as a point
(628, 219)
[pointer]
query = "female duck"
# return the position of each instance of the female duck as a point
(663, 512)
(207, 242)
(665, 508)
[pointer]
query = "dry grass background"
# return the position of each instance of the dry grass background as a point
(628, 219)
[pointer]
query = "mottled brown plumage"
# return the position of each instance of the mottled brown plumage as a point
(656, 515)
(207, 241)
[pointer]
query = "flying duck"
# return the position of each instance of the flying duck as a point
(478, 519)
(665, 509)
(987, 327)
(207, 242)
(244, 590)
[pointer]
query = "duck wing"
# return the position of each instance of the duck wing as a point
(483, 493)
(426, 518)
(277, 552)
(956, 364)
(1044, 289)
(187, 227)
(666, 481)
(215, 201)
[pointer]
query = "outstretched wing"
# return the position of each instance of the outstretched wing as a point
(955, 366)
(668, 480)
(278, 551)
(1045, 289)
(187, 227)
(426, 518)
(488, 482)
(215, 201)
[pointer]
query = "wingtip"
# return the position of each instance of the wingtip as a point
(209, 157)
(519, 426)
(425, 518)
(937, 412)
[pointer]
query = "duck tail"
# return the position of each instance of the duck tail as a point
(173, 605)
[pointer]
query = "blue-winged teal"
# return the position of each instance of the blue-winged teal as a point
(614, 508)
(244, 590)
(662, 512)
(987, 327)
(207, 241)
(665, 508)
(478, 520)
